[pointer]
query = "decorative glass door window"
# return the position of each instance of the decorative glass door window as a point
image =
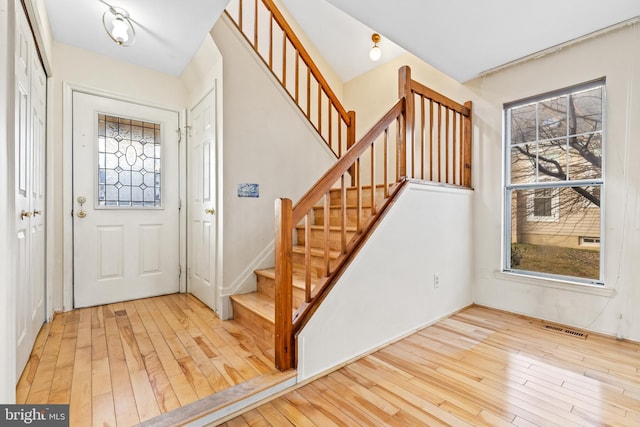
(129, 163)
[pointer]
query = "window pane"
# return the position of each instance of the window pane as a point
(585, 157)
(552, 160)
(523, 124)
(586, 111)
(523, 164)
(552, 118)
(125, 146)
(556, 231)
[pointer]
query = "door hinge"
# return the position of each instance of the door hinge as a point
(179, 271)
(179, 131)
(180, 204)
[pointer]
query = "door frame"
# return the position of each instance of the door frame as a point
(68, 89)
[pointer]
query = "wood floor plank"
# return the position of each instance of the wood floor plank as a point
(123, 363)
(102, 410)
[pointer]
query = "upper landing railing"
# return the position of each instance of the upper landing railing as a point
(266, 30)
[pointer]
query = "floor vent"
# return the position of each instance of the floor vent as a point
(566, 331)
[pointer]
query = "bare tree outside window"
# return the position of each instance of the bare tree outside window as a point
(554, 182)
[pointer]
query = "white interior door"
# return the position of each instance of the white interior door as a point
(126, 200)
(30, 113)
(201, 146)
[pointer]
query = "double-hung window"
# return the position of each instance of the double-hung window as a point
(554, 184)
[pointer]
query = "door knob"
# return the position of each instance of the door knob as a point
(25, 214)
(210, 211)
(36, 212)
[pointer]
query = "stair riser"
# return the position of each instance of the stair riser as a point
(335, 216)
(352, 196)
(261, 327)
(317, 264)
(267, 286)
(317, 238)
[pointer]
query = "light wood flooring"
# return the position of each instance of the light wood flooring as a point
(478, 367)
(120, 364)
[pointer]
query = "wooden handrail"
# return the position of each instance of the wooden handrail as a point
(345, 163)
(447, 158)
(339, 136)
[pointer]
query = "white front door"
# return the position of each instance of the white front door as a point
(30, 113)
(126, 200)
(202, 201)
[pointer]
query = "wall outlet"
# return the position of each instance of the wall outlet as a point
(436, 280)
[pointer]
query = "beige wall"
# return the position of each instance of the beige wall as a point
(87, 69)
(615, 56)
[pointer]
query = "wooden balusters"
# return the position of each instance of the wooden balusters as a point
(286, 61)
(466, 144)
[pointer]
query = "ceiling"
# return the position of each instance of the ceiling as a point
(462, 38)
(168, 32)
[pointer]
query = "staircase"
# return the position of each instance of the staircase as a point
(256, 310)
(424, 136)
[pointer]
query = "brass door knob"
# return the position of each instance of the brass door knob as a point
(210, 211)
(37, 212)
(25, 214)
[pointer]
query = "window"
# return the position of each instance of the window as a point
(543, 204)
(128, 163)
(553, 183)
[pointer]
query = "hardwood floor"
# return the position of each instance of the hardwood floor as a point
(121, 364)
(479, 367)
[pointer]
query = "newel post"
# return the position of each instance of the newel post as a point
(466, 146)
(284, 342)
(406, 131)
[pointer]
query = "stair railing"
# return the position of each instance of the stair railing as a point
(266, 30)
(393, 150)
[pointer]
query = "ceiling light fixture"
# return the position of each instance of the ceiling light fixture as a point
(375, 53)
(118, 26)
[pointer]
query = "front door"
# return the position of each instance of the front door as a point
(126, 200)
(202, 201)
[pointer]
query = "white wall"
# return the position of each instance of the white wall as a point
(388, 290)
(615, 56)
(266, 141)
(87, 69)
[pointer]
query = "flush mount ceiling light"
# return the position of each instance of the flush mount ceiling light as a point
(118, 26)
(375, 53)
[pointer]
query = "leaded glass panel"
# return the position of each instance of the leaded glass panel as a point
(129, 162)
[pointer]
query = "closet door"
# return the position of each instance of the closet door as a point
(30, 96)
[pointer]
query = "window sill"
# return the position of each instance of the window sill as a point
(564, 285)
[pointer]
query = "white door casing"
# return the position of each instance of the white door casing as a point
(202, 148)
(30, 124)
(123, 253)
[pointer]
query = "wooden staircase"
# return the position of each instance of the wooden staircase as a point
(424, 136)
(256, 310)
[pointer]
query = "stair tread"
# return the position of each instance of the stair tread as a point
(331, 227)
(257, 303)
(349, 206)
(333, 254)
(298, 280)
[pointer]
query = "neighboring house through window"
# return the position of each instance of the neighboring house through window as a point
(553, 183)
